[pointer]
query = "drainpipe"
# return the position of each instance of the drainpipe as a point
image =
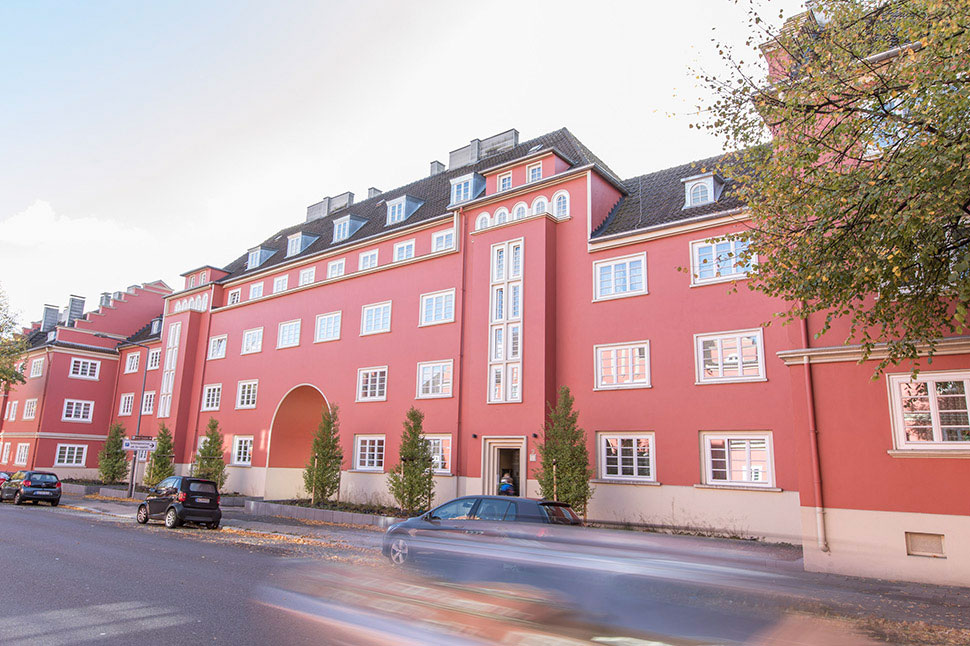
(463, 250)
(823, 544)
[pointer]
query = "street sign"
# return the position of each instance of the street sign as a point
(139, 445)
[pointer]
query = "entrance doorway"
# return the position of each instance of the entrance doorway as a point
(501, 455)
(508, 463)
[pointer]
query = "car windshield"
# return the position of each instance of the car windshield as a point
(560, 514)
(202, 487)
(42, 477)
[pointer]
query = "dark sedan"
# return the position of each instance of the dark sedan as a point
(474, 516)
(32, 486)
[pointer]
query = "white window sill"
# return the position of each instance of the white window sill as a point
(431, 323)
(375, 332)
(360, 470)
(433, 396)
(241, 464)
(633, 387)
(89, 378)
(738, 487)
(613, 297)
(245, 408)
(961, 453)
(748, 380)
(209, 410)
(373, 399)
(719, 281)
(250, 352)
(221, 357)
(622, 481)
(284, 347)
(77, 421)
(327, 340)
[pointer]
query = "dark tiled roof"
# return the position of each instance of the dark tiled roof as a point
(36, 339)
(145, 334)
(657, 198)
(434, 191)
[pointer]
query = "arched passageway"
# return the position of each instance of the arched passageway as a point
(290, 441)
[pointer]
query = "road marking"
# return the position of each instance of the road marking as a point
(72, 625)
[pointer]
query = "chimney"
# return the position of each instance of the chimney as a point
(318, 210)
(437, 167)
(105, 299)
(75, 309)
(116, 296)
(343, 200)
(49, 321)
(465, 156)
(373, 192)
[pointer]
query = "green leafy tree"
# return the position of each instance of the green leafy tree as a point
(852, 122)
(12, 346)
(161, 464)
(321, 478)
(112, 459)
(411, 481)
(564, 445)
(209, 462)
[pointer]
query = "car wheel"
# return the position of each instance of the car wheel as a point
(400, 552)
(55, 503)
(172, 519)
(18, 499)
(214, 525)
(142, 515)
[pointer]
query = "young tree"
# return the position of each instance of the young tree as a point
(564, 473)
(112, 461)
(161, 464)
(411, 481)
(12, 346)
(321, 478)
(854, 142)
(209, 461)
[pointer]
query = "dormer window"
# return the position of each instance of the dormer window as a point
(505, 181)
(258, 256)
(701, 189)
(466, 187)
(156, 326)
(346, 226)
(297, 242)
(533, 172)
(401, 208)
(699, 194)
(395, 212)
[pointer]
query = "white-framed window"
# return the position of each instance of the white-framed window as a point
(376, 318)
(217, 346)
(560, 204)
(289, 334)
(533, 172)
(148, 402)
(699, 194)
(255, 291)
(369, 452)
(627, 456)
(242, 450)
(461, 191)
(246, 393)
(395, 211)
(70, 455)
(438, 307)
(168, 369)
(23, 452)
(307, 276)
(203, 277)
(931, 412)
(622, 365)
(729, 356)
(37, 368)
(127, 404)
(280, 283)
(191, 281)
(341, 229)
(719, 260)
(294, 244)
(738, 459)
(367, 260)
(335, 268)
(154, 359)
(6, 453)
(434, 379)
(252, 260)
(12, 410)
(440, 453)
(252, 341)
(620, 277)
(504, 181)
(211, 397)
(442, 240)
(30, 409)
(519, 211)
(372, 384)
(235, 295)
(404, 250)
(484, 221)
(91, 369)
(328, 327)
(76, 410)
(505, 327)
(540, 205)
(131, 362)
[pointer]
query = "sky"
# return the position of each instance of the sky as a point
(142, 140)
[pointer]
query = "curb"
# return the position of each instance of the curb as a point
(259, 508)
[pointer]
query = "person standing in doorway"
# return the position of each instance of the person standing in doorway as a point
(505, 486)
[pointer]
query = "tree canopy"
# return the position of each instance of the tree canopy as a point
(853, 142)
(11, 346)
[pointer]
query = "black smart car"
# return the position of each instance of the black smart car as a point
(32, 486)
(181, 499)
(503, 516)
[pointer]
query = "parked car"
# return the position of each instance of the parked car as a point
(32, 486)
(181, 499)
(474, 516)
(4, 476)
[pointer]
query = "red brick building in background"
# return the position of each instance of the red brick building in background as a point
(473, 293)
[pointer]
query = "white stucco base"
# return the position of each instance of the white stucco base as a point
(249, 481)
(873, 544)
(74, 472)
(766, 515)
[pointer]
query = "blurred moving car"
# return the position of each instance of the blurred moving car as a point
(32, 486)
(501, 516)
(4, 476)
(181, 499)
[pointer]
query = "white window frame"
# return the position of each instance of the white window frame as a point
(245, 335)
(366, 257)
(37, 368)
(540, 205)
(245, 383)
(695, 264)
(461, 189)
(280, 344)
(599, 350)
(504, 381)
(601, 439)
(519, 212)
(132, 361)
(500, 178)
(613, 262)
(529, 179)
(6, 452)
(148, 402)
(404, 250)
(447, 388)
(307, 276)
(30, 409)
(483, 221)
(280, 283)
(73, 404)
(291, 248)
(256, 290)
(444, 293)
(242, 443)
(317, 337)
(154, 360)
(358, 441)
(215, 346)
(894, 383)
(126, 404)
(714, 336)
(443, 240)
(235, 295)
(706, 437)
(211, 397)
(12, 410)
(81, 449)
(441, 439)
(555, 199)
(361, 372)
(252, 261)
(336, 268)
(24, 448)
(341, 229)
(375, 306)
(76, 369)
(707, 182)
(396, 211)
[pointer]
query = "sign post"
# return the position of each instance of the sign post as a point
(136, 445)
